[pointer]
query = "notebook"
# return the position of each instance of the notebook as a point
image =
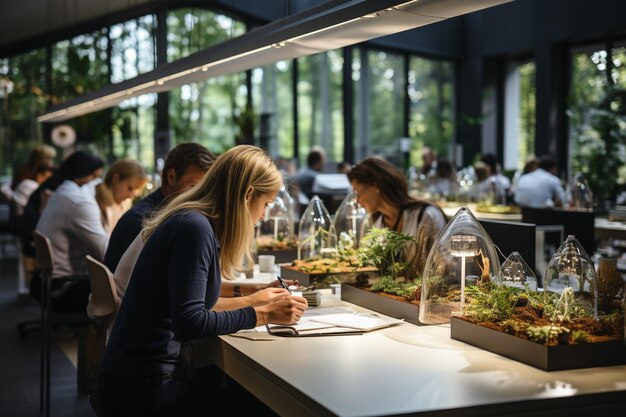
(333, 324)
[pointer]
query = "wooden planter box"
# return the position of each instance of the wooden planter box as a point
(548, 358)
(323, 280)
(377, 302)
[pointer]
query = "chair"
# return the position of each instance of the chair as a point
(102, 309)
(44, 263)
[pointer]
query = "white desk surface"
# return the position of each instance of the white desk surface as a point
(406, 370)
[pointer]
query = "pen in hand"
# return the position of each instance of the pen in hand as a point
(283, 284)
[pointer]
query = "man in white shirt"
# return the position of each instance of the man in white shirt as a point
(71, 220)
(541, 187)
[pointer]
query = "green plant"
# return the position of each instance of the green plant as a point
(383, 248)
(405, 289)
(548, 335)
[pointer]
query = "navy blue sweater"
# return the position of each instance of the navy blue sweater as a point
(174, 285)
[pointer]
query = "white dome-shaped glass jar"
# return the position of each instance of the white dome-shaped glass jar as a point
(316, 232)
(515, 272)
(276, 231)
(571, 271)
(351, 222)
(462, 255)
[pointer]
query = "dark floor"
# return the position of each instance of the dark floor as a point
(19, 358)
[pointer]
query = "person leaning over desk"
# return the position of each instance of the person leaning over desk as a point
(382, 190)
(199, 236)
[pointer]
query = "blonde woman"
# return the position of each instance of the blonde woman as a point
(198, 237)
(123, 181)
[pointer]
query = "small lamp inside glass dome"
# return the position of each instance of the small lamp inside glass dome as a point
(276, 231)
(351, 220)
(571, 268)
(316, 233)
(462, 255)
(515, 272)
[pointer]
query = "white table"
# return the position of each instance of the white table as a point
(406, 370)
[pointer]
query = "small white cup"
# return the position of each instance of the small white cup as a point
(266, 263)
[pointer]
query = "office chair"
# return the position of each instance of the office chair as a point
(44, 263)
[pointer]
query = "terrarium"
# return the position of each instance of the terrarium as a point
(515, 272)
(276, 231)
(462, 256)
(570, 274)
(351, 222)
(316, 233)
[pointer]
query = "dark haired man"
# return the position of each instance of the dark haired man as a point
(541, 187)
(185, 165)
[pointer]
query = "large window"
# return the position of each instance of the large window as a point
(273, 103)
(597, 110)
(519, 115)
(431, 95)
(380, 92)
(208, 112)
(320, 107)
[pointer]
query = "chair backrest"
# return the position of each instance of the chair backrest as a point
(104, 301)
(43, 254)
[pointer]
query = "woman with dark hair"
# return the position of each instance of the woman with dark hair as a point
(382, 189)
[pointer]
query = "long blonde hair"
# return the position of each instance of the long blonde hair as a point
(236, 177)
(123, 169)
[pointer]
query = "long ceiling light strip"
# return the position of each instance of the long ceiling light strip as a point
(267, 44)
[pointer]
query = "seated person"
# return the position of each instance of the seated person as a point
(200, 236)
(541, 187)
(382, 189)
(71, 220)
(306, 176)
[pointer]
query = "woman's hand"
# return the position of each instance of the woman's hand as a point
(266, 296)
(286, 310)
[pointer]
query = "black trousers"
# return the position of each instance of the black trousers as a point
(201, 394)
(68, 295)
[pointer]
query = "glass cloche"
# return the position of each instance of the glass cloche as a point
(515, 272)
(316, 233)
(351, 221)
(276, 231)
(571, 271)
(462, 255)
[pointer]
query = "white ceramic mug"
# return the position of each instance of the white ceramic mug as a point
(266, 263)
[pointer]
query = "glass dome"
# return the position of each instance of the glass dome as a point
(462, 255)
(351, 222)
(579, 195)
(276, 231)
(571, 269)
(316, 233)
(515, 272)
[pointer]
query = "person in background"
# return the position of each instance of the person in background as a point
(382, 190)
(122, 182)
(306, 175)
(39, 167)
(481, 187)
(429, 162)
(344, 167)
(532, 163)
(194, 240)
(541, 187)
(184, 167)
(71, 220)
(494, 167)
(443, 183)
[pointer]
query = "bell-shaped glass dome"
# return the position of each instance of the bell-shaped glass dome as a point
(571, 270)
(515, 272)
(462, 255)
(276, 231)
(316, 233)
(351, 222)
(579, 195)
